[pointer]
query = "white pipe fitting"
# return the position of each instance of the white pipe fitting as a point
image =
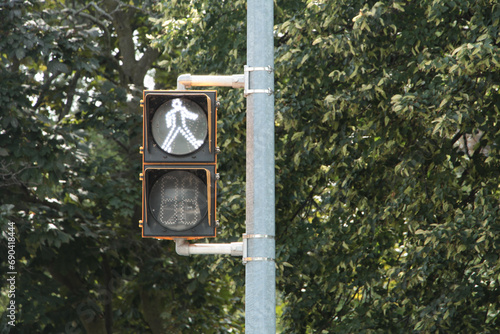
(182, 247)
(187, 80)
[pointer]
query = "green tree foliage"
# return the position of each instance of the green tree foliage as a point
(387, 164)
(72, 75)
(388, 122)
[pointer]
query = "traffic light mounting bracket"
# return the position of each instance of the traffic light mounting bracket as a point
(182, 247)
(185, 81)
(248, 90)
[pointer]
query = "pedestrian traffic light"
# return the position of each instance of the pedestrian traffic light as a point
(179, 158)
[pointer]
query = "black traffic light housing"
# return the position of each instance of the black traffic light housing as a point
(179, 167)
(153, 152)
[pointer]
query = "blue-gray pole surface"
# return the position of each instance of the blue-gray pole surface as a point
(260, 275)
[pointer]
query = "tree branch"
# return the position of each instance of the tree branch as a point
(71, 95)
(305, 203)
(108, 310)
(44, 89)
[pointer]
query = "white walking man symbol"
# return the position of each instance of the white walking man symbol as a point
(186, 126)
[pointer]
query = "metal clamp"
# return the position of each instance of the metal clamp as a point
(257, 236)
(268, 68)
(257, 258)
(247, 90)
(247, 258)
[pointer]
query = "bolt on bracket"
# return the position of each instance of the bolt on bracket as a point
(246, 258)
(247, 90)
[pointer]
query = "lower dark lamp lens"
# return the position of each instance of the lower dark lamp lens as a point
(178, 200)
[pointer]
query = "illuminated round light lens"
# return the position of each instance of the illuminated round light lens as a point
(179, 126)
(178, 200)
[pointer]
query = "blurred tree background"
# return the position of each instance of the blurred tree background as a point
(387, 165)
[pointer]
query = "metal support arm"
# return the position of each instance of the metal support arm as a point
(187, 80)
(182, 247)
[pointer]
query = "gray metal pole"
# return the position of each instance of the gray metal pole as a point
(260, 275)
